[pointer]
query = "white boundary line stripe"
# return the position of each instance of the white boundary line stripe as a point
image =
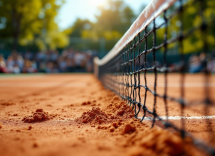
(3, 78)
(179, 117)
(41, 84)
(177, 85)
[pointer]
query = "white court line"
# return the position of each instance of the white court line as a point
(177, 85)
(3, 78)
(180, 117)
(41, 85)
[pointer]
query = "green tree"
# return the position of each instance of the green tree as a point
(113, 21)
(79, 26)
(117, 16)
(31, 20)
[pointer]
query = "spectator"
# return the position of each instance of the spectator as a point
(40, 57)
(62, 64)
(54, 55)
(10, 64)
(79, 61)
(16, 69)
(27, 66)
(51, 68)
(3, 68)
(69, 65)
(211, 65)
(195, 64)
(28, 55)
(20, 62)
(89, 61)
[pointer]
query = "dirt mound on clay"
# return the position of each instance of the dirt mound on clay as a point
(95, 116)
(119, 109)
(116, 111)
(38, 116)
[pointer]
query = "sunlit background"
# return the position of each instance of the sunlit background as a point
(61, 35)
(87, 9)
(65, 35)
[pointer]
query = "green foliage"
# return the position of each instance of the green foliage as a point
(79, 26)
(192, 17)
(31, 22)
(117, 16)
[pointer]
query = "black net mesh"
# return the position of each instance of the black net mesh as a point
(126, 73)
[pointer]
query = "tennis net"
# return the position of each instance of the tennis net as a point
(164, 27)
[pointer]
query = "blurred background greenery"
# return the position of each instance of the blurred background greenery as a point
(31, 26)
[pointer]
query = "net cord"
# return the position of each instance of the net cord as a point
(152, 10)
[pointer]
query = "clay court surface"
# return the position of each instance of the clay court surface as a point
(86, 119)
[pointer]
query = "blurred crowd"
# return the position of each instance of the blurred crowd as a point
(77, 61)
(48, 62)
(197, 63)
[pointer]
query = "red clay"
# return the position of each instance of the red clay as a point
(83, 119)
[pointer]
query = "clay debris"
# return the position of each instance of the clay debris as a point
(7, 103)
(95, 116)
(116, 111)
(37, 116)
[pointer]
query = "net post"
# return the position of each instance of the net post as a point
(96, 66)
